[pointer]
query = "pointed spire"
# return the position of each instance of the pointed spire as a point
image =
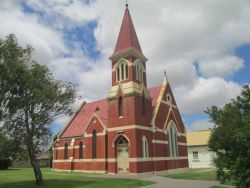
(127, 38)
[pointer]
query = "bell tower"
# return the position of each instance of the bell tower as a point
(129, 100)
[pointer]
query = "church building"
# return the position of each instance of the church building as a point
(134, 130)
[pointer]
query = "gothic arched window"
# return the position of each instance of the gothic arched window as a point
(94, 144)
(122, 71)
(80, 150)
(120, 106)
(139, 71)
(145, 147)
(65, 151)
(172, 141)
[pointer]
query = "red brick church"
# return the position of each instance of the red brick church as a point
(134, 130)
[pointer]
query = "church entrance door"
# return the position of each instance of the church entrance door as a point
(122, 155)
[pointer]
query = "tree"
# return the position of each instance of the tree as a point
(30, 99)
(230, 138)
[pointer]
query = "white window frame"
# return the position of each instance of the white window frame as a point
(172, 133)
(139, 71)
(145, 147)
(125, 71)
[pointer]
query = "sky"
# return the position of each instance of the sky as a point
(203, 45)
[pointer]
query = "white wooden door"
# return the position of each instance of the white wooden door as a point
(122, 159)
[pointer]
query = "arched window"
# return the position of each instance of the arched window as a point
(80, 150)
(168, 98)
(120, 106)
(143, 106)
(139, 71)
(56, 157)
(145, 147)
(118, 74)
(126, 72)
(121, 71)
(94, 144)
(172, 141)
(65, 151)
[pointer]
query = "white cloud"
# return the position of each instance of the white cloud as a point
(207, 92)
(174, 35)
(200, 125)
(222, 67)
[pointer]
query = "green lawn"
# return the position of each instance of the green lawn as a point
(24, 178)
(196, 174)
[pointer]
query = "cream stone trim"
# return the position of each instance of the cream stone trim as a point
(169, 104)
(72, 143)
(75, 137)
(103, 133)
(70, 147)
(132, 52)
(166, 121)
(159, 99)
(95, 115)
(117, 136)
(86, 171)
(139, 159)
(157, 159)
(122, 128)
(85, 160)
(159, 141)
(129, 88)
(120, 61)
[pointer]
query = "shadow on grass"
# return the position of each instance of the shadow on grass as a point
(51, 183)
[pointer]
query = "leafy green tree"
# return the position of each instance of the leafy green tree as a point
(30, 99)
(230, 139)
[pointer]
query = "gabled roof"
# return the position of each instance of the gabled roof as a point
(79, 123)
(198, 138)
(81, 120)
(127, 38)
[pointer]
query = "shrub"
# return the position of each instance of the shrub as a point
(5, 164)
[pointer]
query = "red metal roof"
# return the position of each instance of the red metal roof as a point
(81, 120)
(127, 38)
(154, 92)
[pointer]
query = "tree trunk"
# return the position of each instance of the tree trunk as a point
(36, 168)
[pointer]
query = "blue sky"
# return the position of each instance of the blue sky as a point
(204, 47)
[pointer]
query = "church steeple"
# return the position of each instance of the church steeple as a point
(127, 38)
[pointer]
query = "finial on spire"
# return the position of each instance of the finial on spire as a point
(165, 73)
(126, 3)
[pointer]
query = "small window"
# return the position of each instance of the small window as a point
(56, 157)
(195, 155)
(145, 147)
(120, 106)
(80, 150)
(168, 98)
(94, 144)
(65, 151)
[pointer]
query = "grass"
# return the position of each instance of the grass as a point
(199, 174)
(196, 174)
(24, 178)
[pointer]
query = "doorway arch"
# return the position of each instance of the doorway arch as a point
(122, 153)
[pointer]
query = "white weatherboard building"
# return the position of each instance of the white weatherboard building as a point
(199, 155)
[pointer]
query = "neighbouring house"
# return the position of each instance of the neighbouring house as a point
(199, 155)
(135, 129)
